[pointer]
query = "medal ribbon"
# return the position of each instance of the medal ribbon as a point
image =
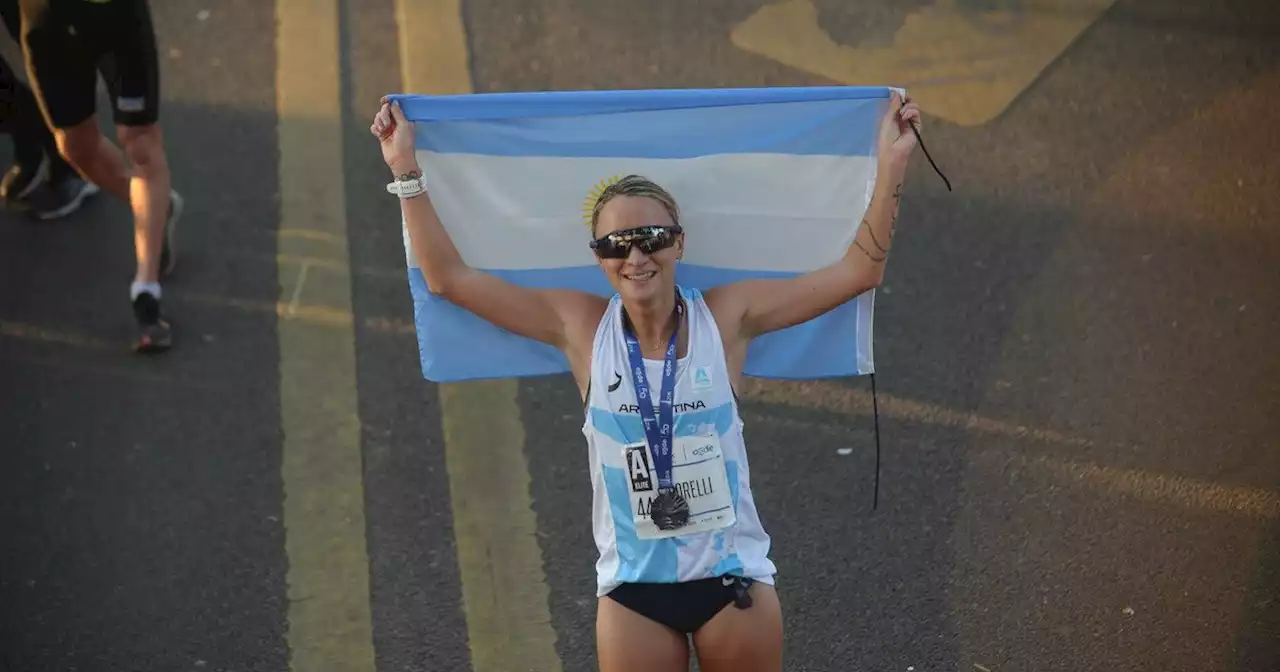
(658, 427)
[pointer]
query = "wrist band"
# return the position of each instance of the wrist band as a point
(408, 188)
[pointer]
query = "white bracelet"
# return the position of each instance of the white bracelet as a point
(408, 188)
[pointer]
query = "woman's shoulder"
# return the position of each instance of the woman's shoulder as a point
(702, 304)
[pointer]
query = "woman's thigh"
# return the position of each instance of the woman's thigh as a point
(743, 640)
(629, 642)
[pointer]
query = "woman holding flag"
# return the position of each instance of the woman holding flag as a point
(682, 551)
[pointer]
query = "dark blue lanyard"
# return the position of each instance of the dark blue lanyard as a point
(657, 427)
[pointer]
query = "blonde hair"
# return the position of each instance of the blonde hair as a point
(634, 185)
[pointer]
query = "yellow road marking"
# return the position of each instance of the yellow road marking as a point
(841, 399)
(34, 332)
(79, 369)
(1142, 484)
(963, 65)
(1166, 488)
(504, 588)
(434, 57)
(329, 628)
(312, 235)
(316, 315)
(257, 257)
(311, 314)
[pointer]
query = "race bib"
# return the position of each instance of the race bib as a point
(699, 475)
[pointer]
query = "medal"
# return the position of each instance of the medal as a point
(669, 510)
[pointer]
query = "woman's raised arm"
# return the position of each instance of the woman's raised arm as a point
(561, 318)
(750, 308)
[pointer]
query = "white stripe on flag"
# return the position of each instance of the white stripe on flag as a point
(775, 212)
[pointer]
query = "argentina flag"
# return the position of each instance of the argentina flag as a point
(770, 182)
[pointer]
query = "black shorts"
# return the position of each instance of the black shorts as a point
(68, 42)
(684, 607)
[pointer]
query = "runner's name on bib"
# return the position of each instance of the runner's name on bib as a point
(699, 474)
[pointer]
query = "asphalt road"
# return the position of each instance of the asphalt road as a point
(1076, 353)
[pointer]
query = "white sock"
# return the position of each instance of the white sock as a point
(152, 288)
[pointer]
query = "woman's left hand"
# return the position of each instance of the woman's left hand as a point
(897, 140)
(395, 134)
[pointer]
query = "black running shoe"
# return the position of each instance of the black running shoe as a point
(63, 197)
(155, 334)
(22, 179)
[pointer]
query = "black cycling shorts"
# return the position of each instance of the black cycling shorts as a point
(68, 42)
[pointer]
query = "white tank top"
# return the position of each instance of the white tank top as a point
(704, 403)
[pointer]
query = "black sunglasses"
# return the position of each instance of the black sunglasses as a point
(650, 239)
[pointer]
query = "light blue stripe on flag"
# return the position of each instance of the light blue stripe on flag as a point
(697, 123)
(815, 145)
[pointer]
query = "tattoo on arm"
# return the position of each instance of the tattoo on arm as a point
(869, 255)
(873, 236)
(893, 224)
(897, 202)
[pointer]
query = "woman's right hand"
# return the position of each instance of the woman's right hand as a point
(395, 133)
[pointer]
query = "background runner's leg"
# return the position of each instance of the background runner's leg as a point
(134, 77)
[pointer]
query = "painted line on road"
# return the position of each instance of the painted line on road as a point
(312, 314)
(329, 623)
(260, 258)
(965, 62)
(316, 315)
(1148, 486)
(1142, 484)
(504, 588)
(840, 399)
(77, 370)
(39, 334)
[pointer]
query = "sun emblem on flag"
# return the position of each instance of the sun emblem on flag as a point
(589, 204)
